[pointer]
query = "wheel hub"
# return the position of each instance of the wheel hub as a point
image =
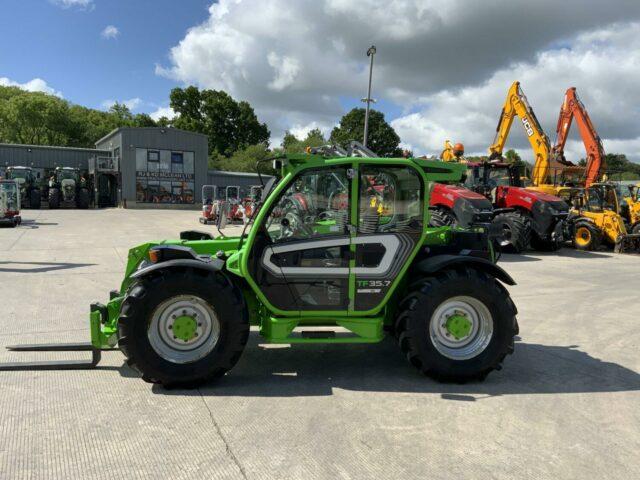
(461, 328)
(458, 325)
(183, 329)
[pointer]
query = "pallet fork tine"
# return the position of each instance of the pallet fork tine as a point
(96, 355)
(98, 312)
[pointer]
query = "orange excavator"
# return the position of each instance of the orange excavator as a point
(596, 216)
(572, 108)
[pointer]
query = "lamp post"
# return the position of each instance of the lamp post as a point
(370, 53)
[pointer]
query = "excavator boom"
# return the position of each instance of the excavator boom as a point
(516, 104)
(573, 107)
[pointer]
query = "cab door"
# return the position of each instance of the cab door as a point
(301, 253)
(389, 226)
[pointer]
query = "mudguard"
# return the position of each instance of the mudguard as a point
(435, 264)
(172, 256)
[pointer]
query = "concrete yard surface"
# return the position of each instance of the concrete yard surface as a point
(565, 405)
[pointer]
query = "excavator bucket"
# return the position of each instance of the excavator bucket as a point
(629, 243)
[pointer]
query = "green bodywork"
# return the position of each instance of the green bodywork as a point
(276, 326)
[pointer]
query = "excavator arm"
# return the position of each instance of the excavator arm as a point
(516, 104)
(573, 107)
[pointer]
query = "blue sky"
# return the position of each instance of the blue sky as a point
(302, 64)
(64, 46)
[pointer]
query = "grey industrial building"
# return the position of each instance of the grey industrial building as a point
(135, 167)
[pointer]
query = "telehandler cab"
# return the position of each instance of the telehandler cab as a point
(333, 268)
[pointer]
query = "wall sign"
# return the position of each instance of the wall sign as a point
(166, 176)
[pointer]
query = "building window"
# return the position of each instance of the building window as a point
(164, 176)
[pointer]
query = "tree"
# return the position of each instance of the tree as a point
(230, 125)
(291, 144)
(512, 156)
(243, 160)
(383, 139)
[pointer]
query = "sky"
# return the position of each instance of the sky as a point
(442, 68)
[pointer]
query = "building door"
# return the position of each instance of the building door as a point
(107, 190)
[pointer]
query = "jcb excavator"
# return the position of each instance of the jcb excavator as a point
(545, 211)
(595, 216)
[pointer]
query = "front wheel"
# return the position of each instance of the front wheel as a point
(457, 326)
(183, 327)
(515, 231)
(440, 217)
(586, 236)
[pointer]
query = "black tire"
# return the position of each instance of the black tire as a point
(544, 245)
(440, 217)
(515, 229)
(83, 199)
(54, 198)
(145, 295)
(35, 199)
(636, 229)
(413, 323)
(586, 236)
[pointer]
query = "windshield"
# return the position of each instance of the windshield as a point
(601, 199)
(498, 176)
(9, 194)
(18, 174)
(67, 174)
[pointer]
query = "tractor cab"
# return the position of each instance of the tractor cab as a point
(486, 177)
(26, 180)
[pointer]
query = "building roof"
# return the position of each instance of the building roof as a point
(120, 129)
(50, 147)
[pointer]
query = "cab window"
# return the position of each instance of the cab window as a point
(390, 200)
(316, 204)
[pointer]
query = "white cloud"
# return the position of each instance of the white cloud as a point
(295, 61)
(131, 104)
(163, 112)
(286, 70)
(604, 66)
(109, 32)
(34, 85)
(81, 4)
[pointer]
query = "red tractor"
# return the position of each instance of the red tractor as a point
(524, 216)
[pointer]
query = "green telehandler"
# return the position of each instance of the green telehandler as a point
(339, 251)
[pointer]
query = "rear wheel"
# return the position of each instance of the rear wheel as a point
(515, 231)
(457, 326)
(586, 236)
(183, 327)
(636, 229)
(440, 217)
(54, 198)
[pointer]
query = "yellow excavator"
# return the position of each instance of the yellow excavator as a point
(594, 216)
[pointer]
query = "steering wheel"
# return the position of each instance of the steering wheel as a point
(292, 222)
